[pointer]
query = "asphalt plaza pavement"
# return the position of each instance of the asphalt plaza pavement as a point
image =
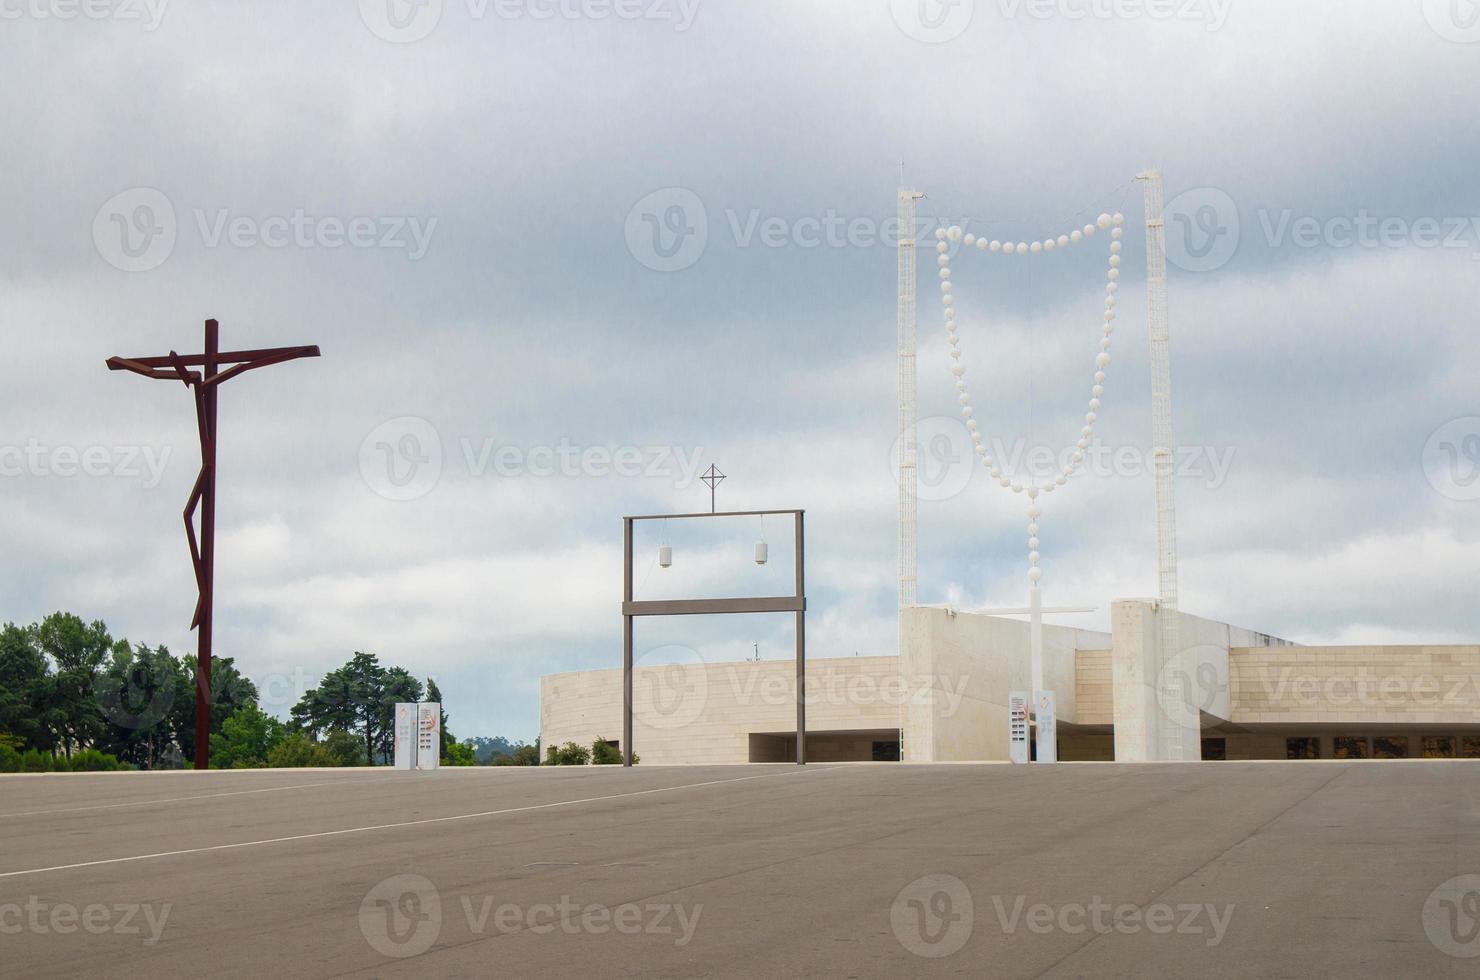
(874, 870)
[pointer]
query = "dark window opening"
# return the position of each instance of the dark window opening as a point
(1390, 747)
(1303, 747)
(1439, 747)
(886, 751)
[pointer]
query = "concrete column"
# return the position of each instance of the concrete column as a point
(1133, 670)
(1160, 696)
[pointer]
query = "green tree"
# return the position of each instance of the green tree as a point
(78, 650)
(137, 691)
(330, 706)
(486, 749)
(229, 691)
(569, 754)
(604, 753)
(361, 697)
(343, 749)
(298, 750)
(459, 755)
(246, 739)
(516, 754)
(23, 686)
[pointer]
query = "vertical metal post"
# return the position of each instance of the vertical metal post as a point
(905, 345)
(801, 648)
(626, 643)
(1174, 741)
(905, 392)
(207, 552)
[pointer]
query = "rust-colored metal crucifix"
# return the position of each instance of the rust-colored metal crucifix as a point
(203, 384)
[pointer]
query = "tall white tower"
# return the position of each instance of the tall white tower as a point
(905, 384)
(1175, 741)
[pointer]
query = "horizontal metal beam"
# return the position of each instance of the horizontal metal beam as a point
(225, 357)
(139, 367)
(707, 607)
(723, 513)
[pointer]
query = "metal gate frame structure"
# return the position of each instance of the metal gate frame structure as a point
(796, 603)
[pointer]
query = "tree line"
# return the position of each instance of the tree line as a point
(72, 697)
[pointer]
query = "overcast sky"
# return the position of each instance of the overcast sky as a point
(561, 255)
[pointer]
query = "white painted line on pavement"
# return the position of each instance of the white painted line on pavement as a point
(183, 799)
(389, 826)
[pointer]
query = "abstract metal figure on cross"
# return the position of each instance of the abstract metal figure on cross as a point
(714, 478)
(203, 384)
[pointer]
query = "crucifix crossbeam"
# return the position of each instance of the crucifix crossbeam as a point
(215, 367)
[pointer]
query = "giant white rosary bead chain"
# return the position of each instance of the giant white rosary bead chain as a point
(954, 234)
(944, 236)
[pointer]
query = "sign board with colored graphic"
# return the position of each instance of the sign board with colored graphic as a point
(418, 735)
(1017, 727)
(405, 723)
(428, 734)
(1048, 728)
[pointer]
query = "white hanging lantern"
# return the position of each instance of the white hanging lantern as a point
(665, 555)
(760, 552)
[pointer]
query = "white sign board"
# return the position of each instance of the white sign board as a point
(1048, 728)
(1017, 727)
(428, 734)
(405, 724)
(418, 731)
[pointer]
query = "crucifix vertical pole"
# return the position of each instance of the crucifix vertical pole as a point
(207, 394)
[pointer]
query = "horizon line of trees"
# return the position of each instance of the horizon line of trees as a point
(72, 697)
